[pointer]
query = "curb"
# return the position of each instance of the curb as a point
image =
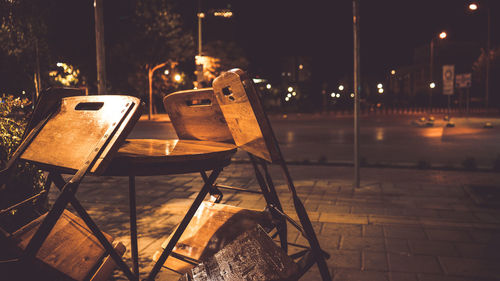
(400, 165)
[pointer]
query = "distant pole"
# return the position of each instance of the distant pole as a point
(357, 89)
(431, 70)
(99, 47)
(488, 46)
(200, 16)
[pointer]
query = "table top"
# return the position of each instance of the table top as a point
(174, 156)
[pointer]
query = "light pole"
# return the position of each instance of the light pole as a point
(357, 88)
(99, 42)
(474, 7)
(442, 36)
(224, 13)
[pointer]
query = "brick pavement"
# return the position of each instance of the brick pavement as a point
(402, 224)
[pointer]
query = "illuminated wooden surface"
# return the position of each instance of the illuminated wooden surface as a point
(213, 227)
(247, 121)
(71, 248)
(78, 126)
(162, 157)
(196, 115)
(252, 256)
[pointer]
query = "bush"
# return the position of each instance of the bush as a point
(26, 180)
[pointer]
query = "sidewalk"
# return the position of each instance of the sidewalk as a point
(400, 225)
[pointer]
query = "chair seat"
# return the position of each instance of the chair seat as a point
(212, 227)
(146, 157)
(58, 251)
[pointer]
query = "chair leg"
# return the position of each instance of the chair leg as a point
(272, 200)
(307, 226)
(184, 223)
(133, 225)
(59, 182)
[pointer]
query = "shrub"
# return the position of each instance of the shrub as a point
(26, 180)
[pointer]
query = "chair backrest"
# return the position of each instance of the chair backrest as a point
(83, 130)
(49, 98)
(240, 103)
(196, 115)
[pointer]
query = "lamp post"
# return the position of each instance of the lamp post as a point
(442, 36)
(474, 7)
(357, 88)
(225, 13)
(99, 42)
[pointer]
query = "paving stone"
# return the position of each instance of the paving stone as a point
(380, 210)
(331, 208)
(480, 251)
(471, 267)
(341, 229)
(345, 259)
(371, 230)
(363, 243)
(402, 276)
(413, 263)
(343, 275)
(397, 245)
(448, 235)
(484, 236)
(374, 261)
(433, 248)
(404, 232)
(436, 277)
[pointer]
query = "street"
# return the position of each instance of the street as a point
(385, 140)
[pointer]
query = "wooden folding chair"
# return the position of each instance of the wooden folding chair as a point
(78, 136)
(251, 130)
(216, 225)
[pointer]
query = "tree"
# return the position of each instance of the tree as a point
(228, 54)
(479, 72)
(22, 34)
(159, 42)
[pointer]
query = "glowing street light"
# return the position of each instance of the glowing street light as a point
(473, 7)
(393, 72)
(177, 78)
(341, 87)
(432, 85)
(294, 94)
(268, 86)
(442, 35)
(166, 72)
(338, 95)
(332, 95)
(290, 89)
(352, 95)
(380, 91)
(380, 86)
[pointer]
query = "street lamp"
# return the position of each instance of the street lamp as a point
(442, 36)
(225, 13)
(474, 7)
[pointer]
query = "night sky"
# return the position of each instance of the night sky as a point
(322, 30)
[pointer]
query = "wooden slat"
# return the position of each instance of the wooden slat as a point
(70, 248)
(253, 256)
(108, 265)
(212, 227)
(196, 115)
(70, 135)
(144, 157)
(244, 114)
